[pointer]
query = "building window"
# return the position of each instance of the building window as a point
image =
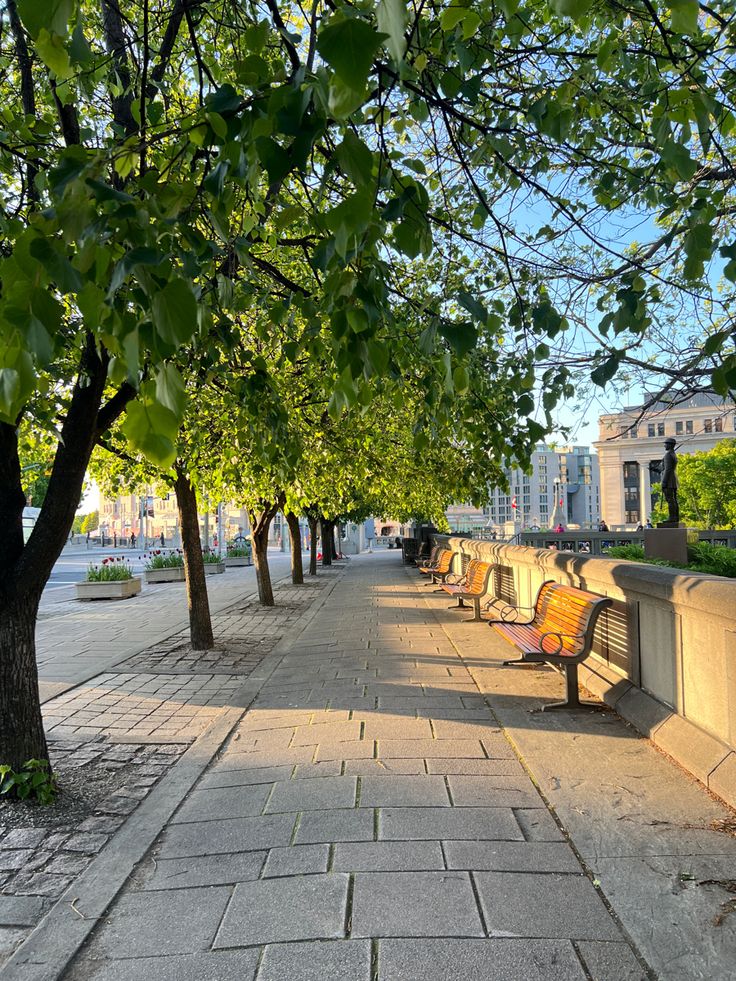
(708, 426)
(660, 429)
(719, 425)
(650, 429)
(679, 428)
(689, 427)
(631, 491)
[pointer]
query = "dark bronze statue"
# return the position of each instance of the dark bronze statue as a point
(669, 481)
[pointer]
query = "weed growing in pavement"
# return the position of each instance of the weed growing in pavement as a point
(34, 782)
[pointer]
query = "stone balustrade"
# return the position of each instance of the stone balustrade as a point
(664, 654)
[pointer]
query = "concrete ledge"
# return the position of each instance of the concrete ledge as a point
(722, 780)
(699, 752)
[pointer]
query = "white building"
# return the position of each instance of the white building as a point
(630, 449)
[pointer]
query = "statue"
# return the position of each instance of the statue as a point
(669, 482)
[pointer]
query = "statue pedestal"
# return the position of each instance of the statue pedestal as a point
(667, 541)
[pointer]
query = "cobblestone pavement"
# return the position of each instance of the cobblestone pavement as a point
(112, 739)
(367, 821)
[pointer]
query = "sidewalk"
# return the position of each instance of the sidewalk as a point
(390, 809)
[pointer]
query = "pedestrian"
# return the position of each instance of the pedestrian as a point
(602, 526)
(369, 529)
(649, 524)
(561, 528)
(132, 539)
(163, 542)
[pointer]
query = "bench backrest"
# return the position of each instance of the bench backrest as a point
(569, 611)
(434, 554)
(444, 561)
(477, 575)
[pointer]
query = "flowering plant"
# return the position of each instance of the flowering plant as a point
(111, 569)
(159, 559)
(211, 558)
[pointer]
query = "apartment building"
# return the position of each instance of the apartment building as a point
(148, 517)
(631, 445)
(563, 486)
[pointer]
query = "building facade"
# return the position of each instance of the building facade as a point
(563, 486)
(149, 517)
(630, 450)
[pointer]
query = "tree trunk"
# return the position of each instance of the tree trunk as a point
(25, 568)
(295, 537)
(326, 532)
(200, 621)
(313, 521)
(334, 538)
(21, 734)
(260, 522)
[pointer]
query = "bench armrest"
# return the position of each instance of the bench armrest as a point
(559, 636)
(507, 611)
(455, 578)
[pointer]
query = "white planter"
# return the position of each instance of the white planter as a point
(116, 590)
(173, 574)
(230, 563)
(214, 568)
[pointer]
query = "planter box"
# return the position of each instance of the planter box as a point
(121, 589)
(174, 574)
(239, 560)
(214, 568)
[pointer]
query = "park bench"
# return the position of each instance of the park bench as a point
(427, 564)
(473, 585)
(442, 568)
(559, 633)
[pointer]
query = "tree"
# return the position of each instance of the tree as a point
(90, 522)
(707, 486)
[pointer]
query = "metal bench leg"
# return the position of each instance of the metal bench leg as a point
(573, 694)
(476, 611)
(457, 606)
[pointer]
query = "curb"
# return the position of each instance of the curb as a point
(48, 951)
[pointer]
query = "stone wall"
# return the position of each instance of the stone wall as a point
(665, 654)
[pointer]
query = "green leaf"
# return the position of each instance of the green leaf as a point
(50, 15)
(407, 238)
(605, 372)
(474, 307)
(151, 428)
(54, 55)
(355, 159)
(461, 337)
(348, 48)
(79, 49)
(461, 379)
(451, 17)
(576, 9)
(684, 16)
(170, 389)
(392, 19)
(175, 312)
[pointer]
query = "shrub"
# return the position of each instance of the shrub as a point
(110, 570)
(34, 781)
(634, 553)
(163, 560)
(717, 560)
(713, 560)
